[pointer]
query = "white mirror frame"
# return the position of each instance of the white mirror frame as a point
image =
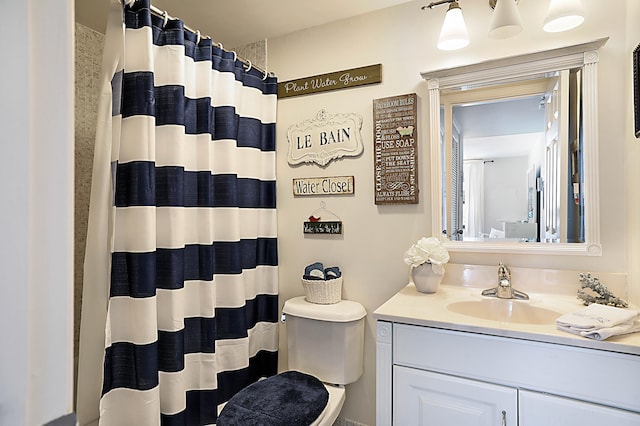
(512, 69)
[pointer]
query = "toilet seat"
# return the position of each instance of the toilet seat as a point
(337, 396)
(289, 398)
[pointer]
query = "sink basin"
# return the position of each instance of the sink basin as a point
(505, 310)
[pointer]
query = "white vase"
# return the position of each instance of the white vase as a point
(425, 280)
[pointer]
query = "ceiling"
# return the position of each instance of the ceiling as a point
(238, 22)
(500, 118)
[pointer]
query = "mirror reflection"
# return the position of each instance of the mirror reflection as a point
(513, 161)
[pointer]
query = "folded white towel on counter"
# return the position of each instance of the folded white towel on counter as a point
(599, 322)
(596, 316)
(604, 333)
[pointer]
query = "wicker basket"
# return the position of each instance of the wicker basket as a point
(323, 292)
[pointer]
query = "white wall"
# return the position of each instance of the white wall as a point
(402, 38)
(505, 192)
(36, 181)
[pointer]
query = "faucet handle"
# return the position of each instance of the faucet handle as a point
(503, 272)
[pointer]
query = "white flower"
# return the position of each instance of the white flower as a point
(426, 250)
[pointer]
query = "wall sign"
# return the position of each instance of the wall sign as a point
(325, 138)
(338, 185)
(323, 227)
(332, 81)
(396, 150)
(322, 221)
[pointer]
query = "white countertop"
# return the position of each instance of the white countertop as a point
(409, 306)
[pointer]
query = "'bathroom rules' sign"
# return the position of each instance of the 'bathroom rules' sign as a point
(395, 150)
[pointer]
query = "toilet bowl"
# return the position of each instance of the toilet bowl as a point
(337, 396)
(325, 349)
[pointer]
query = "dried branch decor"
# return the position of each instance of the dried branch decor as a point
(593, 291)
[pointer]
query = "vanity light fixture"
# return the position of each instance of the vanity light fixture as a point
(454, 34)
(563, 15)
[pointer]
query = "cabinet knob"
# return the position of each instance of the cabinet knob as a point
(504, 418)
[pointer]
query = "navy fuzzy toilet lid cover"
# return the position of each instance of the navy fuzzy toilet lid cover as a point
(289, 398)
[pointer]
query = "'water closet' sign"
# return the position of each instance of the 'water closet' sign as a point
(337, 185)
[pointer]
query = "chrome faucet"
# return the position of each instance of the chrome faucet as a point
(504, 289)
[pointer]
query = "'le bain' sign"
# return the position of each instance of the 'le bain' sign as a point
(325, 138)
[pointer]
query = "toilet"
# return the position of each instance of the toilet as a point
(325, 349)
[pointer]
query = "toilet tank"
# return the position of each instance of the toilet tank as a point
(326, 341)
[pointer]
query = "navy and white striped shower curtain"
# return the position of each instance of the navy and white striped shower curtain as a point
(182, 246)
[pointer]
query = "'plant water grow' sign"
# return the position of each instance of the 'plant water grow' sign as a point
(325, 138)
(332, 81)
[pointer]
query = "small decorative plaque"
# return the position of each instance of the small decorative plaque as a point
(323, 227)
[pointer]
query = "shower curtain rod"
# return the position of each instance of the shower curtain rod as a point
(163, 14)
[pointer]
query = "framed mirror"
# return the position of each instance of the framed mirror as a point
(516, 143)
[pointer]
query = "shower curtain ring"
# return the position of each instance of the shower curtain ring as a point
(197, 37)
(165, 19)
(235, 55)
(220, 46)
(250, 65)
(266, 74)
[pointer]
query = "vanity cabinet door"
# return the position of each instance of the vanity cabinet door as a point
(542, 409)
(427, 398)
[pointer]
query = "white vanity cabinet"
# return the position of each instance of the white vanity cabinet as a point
(541, 409)
(433, 376)
(425, 398)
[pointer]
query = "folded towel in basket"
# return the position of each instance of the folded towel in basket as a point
(332, 272)
(317, 271)
(599, 322)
